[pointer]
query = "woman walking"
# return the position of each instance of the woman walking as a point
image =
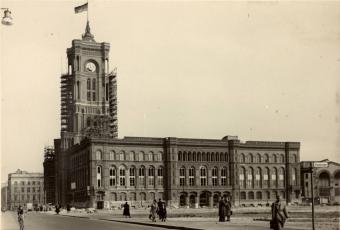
(153, 211)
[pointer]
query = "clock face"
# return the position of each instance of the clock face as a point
(90, 66)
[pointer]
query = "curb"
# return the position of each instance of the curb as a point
(153, 225)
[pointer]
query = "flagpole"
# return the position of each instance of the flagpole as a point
(88, 9)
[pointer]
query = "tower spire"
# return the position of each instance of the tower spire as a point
(87, 36)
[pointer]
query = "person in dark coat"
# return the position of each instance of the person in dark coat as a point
(279, 214)
(228, 211)
(126, 210)
(221, 210)
(159, 206)
(162, 212)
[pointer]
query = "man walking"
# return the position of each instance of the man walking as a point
(279, 214)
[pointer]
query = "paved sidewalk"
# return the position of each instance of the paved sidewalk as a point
(9, 221)
(208, 223)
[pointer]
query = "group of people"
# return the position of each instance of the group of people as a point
(158, 208)
(278, 210)
(224, 209)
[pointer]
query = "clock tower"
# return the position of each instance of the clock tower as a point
(88, 92)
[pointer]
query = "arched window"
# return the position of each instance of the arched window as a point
(112, 171)
(222, 158)
(204, 157)
(203, 176)
(217, 155)
(132, 176)
(242, 158)
(212, 157)
(266, 177)
(275, 158)
(121, 156)
(258, 177)
(243, 196)
(194, 158)
(141, 156)
(259, 158)
(251, 158)
(185, 156)
(133, 196)
(160, 156)
(182, 176)
(93, 89)
(191, 176)
(142, 196)
(189, 156)
(274, 177)
(142, 176)
(214, 176)
(224, 176)
(250, 178)
(122, 176)
(132, 156)
(111, 155)
(242, 177)
(295, 176)
(180, 156)
(78, 90)
(199, 156)
(266, 158)
(160, 176)
(282, 158)
(99, 176)
(150, 156)
(294, 159)
(98, 155)
(281, 177)
(151, 176)
(88, 89)
(208, 156)
(251, 195)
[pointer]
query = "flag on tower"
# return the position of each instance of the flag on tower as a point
(81, 8)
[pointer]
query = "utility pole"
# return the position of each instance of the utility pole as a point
(312, 185)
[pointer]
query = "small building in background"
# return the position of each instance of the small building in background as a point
(4, 196)
(326, 183)
(25, 189)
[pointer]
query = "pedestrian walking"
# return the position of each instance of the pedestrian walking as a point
(126, 210)
(228, 211)
(162, 212)
(279, 214)
(21, 217)
(221, 210)
(153, 211)
(159, 205)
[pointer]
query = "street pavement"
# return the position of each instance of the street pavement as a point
(42, 221)
(103, 221)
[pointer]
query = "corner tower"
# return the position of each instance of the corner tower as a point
(88, 92)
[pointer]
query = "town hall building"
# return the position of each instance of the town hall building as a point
(95, 168)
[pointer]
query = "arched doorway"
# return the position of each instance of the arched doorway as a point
(324, 187)
(337, 187)
(216, 199)
(182, 200)
(192, 198)
(204, 199)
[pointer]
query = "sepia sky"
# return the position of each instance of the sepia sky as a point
(267, 71)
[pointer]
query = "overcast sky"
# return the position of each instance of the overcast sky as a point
(262, 71)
